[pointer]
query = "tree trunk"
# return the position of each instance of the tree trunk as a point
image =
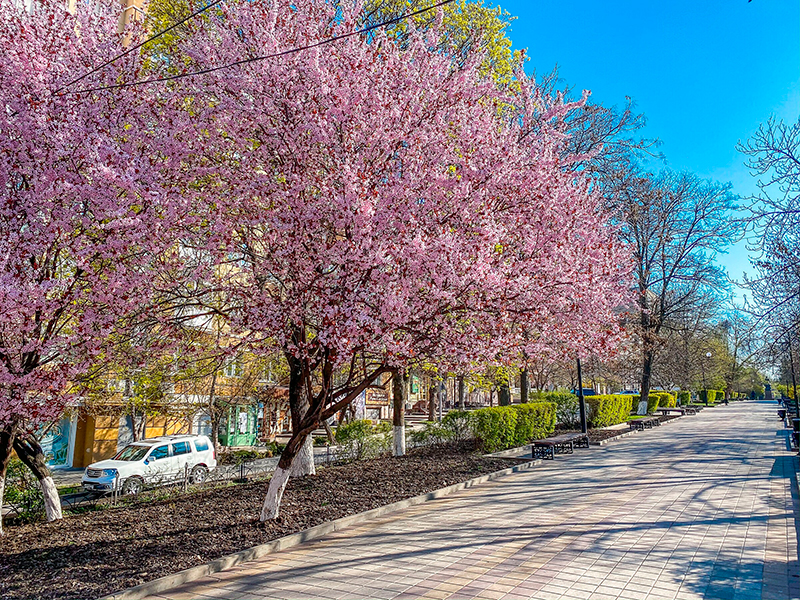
(30, 452)
(504, 395)
(134, 431)
(398, 412)
(213, 410)
(432, 401)
(277, 485)
(524, 388)
(647, 369)
(440, 396)
(329, 433)
(461, 394)
(7, 435)
(303, 463)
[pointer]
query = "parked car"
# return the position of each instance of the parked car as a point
(155, 461)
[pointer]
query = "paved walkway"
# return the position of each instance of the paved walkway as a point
(699, 508)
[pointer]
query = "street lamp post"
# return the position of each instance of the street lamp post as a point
(703, 369)
(581, 399)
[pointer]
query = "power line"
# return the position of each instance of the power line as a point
(259, 58)
(137, 46)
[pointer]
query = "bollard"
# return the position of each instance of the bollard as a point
(185, 477)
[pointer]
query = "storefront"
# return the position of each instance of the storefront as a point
(239, 427)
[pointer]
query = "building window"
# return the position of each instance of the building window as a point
(233, 368)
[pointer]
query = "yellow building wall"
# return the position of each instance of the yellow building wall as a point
(158, 426)
(84, 434)
(106, 434)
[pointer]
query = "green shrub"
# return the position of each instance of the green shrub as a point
(23, 493)
(710, 396)
(383, 427)
(495, 427)
(238, 457)
(685, 396)
(567, 409)
(605, 410)
(458, 424)
(665, 400)
(502, 427)
(535, 421)
(359, 440)
(431, 433)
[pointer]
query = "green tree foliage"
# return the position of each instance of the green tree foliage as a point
(468, 27)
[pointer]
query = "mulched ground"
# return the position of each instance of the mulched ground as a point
(97, 553)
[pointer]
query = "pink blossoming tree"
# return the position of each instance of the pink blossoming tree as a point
(84, 220)
(384, 206)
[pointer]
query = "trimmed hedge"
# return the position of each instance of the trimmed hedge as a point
(609, 409)
(712, 396)
(502, 427)
(495, 427)
(685, 396)
(535, 421)
(665, 400)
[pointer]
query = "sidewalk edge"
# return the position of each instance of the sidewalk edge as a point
(223, 563)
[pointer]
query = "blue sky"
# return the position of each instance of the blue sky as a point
(705, 73)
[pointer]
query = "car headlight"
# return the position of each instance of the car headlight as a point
(109, 472)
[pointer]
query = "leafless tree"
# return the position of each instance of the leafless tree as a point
(675, 224)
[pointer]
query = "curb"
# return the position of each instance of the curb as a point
(610, 440)
(510, 452)
(223, 563)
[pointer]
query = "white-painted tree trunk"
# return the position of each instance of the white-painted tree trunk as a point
(303, 463)
(52, 503)
(399, 440)
(272, 503)
(2, 491)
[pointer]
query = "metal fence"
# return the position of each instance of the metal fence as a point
(179, 483)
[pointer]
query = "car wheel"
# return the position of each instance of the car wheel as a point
(132, 486)
(199, 474)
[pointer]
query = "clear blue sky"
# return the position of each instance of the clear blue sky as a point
(706, 73)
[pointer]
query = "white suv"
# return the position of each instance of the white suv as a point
(154, 461)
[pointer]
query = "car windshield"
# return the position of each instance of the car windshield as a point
(132, 453)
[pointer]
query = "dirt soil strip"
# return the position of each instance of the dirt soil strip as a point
(98, 553)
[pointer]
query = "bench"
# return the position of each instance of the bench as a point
(642, 424)
(678, 409)
(560, 444)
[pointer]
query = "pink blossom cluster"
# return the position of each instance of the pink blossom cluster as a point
(385, 201)
(86, 209)
(371, 193)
